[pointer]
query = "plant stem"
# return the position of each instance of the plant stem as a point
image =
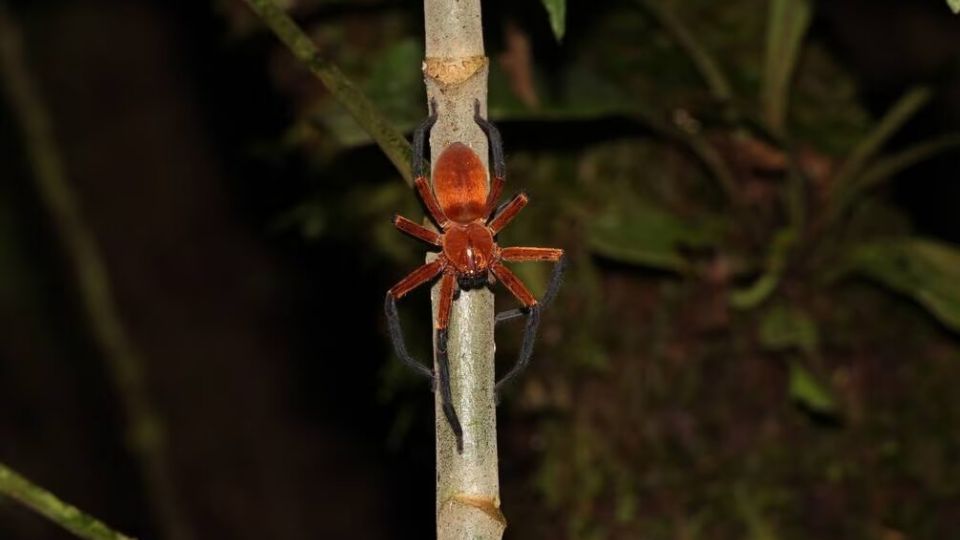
(47, 504)
(899, 114)
(847, 181)
(125, 363)
(390, 140)
(468, 484)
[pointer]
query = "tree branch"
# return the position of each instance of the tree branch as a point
(468, 484)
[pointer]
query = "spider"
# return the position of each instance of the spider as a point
(463, 207)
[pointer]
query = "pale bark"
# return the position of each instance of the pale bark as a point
(468, 484)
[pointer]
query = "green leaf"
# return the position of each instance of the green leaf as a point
(786, 26)
(784, 327)
(648, 236)
(557, 11)
(806, 390)
(954, 5)
(925, 270)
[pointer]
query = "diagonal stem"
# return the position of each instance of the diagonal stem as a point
(388, 137)
(48, 505)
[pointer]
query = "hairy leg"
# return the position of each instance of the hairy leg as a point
(514, 285)
(447, 288)
(416, 230)
(396, 338)
(553, 286)
(418, 277)
(526, 349)
(430, 201)
(508, 212)
(527, 254)
(413, 280)
(418, 164)
(533, 313)
(499, 164)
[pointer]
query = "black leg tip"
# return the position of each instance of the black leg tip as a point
(454, 422)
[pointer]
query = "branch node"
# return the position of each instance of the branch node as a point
(453, 71)
(490, 507)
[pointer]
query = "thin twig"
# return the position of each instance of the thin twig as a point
(390, 140)
(47, 504)
(468, 484)
(124, 360)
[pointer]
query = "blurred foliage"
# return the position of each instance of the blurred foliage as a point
(557, 11)
(925, 270)
(714, 366)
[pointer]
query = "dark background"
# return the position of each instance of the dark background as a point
(244, 225)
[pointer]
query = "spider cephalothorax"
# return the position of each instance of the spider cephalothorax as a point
(462, 205)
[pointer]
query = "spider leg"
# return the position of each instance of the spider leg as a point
(419, 165)
(553, 286)
(496, 142)
(447, 288)
(526, 254)
(508, 212)
(513, 284)
(499, 164)
(496, 188)
(430, 201)
(416, 278)
(533, 308)
(416, 230)
(526, 349)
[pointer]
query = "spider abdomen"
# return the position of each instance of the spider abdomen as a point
(469, 248)
(460, 182)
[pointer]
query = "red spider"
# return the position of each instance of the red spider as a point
(463, 209)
